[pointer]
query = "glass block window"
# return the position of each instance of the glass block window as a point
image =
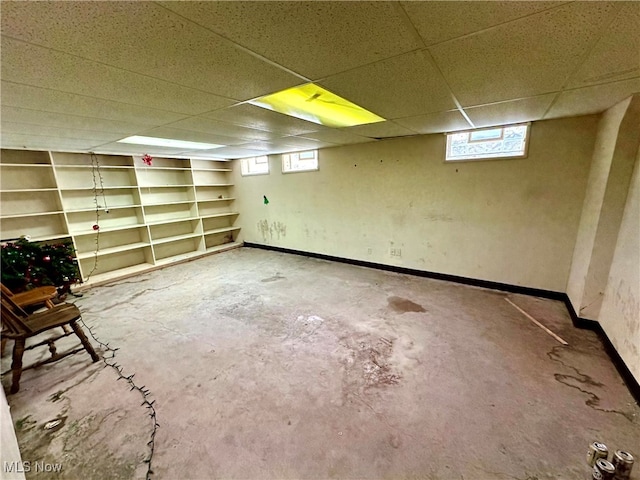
(254, 165)
(495, 142)
(300, 161)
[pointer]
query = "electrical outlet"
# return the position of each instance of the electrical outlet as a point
(396, 252)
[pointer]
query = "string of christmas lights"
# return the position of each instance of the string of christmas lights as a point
(98, 189)
(142, 390)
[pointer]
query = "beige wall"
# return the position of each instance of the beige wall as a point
(620, 312)
(608, 129)
(511, 221)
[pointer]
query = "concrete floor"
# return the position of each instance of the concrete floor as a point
(267, 365)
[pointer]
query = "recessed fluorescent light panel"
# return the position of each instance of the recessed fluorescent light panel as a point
(315, 104)
(168, 142)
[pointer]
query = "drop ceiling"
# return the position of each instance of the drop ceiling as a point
(80, 76)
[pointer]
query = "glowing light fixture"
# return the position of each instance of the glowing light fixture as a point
(168, 142)
(315, 104)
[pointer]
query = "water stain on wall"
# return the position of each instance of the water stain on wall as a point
(268, 231)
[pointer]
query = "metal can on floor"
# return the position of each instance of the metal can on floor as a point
(596, 450)
(603, 470)
(623, 463)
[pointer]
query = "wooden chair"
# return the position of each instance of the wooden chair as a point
(36, 296)
(18, 325)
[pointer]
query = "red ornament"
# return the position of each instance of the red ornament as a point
(147, 159)
(96, 227)
(46, 258)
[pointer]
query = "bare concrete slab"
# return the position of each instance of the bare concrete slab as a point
(272, 366)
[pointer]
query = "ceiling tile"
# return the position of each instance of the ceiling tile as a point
(232, 152)
(261, 119)
(595, 99)
(41, 67)
(523, 58)
(314, 39)
(44, 142)
(287, 144)
(131, 149)
(394, 88)
(191, 136)
(16, 95)
(49, 131)
(35, 117)
(514, 111)
(616, 56)
(440, 21)
(336, 136)
(386, 129)
(207, 125)
(436, 122)
(135, 39)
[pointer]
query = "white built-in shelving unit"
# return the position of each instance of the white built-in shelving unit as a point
(149, 216)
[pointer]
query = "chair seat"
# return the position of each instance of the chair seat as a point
(51, 318)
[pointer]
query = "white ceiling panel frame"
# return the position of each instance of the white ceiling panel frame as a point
(315, 39)
(257, 118)
(616, 55)
(46, 68)
(55, 101)
(397, 87)
(133, 36)
(523, 58)
(592, 99)
(63, 120)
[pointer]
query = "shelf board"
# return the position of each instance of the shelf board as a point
(121, 187)
(216, 231)
(220, 215)
(224, 247)
(147, 168)
(116, 207)
(180, 185)
(167, 203)
(172, 220)
(21, 165)
(102, 167)
(116, 274)
(228, 199)
(104, 230)
(181, 257)
(39, 214)
(109, 251)
(19, 190)
(212, 169)
(175, 238)
(214, 185)
(53, 236)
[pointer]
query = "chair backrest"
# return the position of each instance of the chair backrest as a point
(12, 322)
(6, 291)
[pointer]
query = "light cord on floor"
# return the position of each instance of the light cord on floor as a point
(144, 392)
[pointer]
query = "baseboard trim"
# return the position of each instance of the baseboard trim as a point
(630, 381)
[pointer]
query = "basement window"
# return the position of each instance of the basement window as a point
(300, 161)
(254, 166)
(510, 141)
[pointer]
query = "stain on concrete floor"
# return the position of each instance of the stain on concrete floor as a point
(403, 305)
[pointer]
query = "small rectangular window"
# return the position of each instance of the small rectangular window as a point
(254, 165)
(300, 161)
(510, 141)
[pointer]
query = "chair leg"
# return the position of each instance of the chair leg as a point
(85, 341)
(16, 365)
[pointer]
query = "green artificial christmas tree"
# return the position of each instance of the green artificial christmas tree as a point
(26, 265)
